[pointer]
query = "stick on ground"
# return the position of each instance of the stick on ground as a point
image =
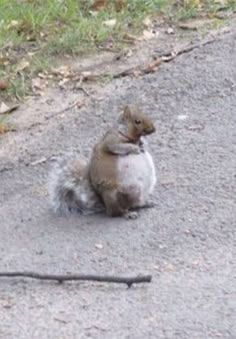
(129, 281)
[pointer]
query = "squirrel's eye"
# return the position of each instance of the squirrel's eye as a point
(137, 121)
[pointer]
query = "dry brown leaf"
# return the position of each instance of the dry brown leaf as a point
(4, 61)
(104, 4)
(3, 128)
(120, 5)
(3, 85)
(99, 4)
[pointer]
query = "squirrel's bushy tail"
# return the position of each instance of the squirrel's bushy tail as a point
(70, 189)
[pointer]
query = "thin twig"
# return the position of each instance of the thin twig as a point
(134, 71)
(189, 48)
(129, 281)
(165, 57)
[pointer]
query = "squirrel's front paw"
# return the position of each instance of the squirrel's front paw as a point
(137, 150)
(142, 148)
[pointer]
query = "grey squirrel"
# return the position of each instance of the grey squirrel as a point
(119, 177)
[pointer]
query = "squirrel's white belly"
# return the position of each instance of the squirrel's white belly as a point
(137, 171)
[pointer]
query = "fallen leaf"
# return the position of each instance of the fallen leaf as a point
(131, 37)
(3, 128)
(147, 22)
(149, 34)
(42, 34)
(3, 85)
(6, 109)
(3, 108)
(120, 4)
(63, 82)
(99, 4)
(63, 71)
(86, 74)
(42, 75)
(4, 61)
(109, 23)
(38, 84)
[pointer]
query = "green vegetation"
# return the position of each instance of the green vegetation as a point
(35, 34)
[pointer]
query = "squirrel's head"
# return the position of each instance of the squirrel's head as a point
(137, 123)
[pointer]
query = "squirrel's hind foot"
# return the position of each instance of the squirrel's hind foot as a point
(131, 215)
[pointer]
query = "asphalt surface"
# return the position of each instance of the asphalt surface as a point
(187, 242)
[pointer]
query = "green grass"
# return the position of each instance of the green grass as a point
(43, 31)
(67, 26)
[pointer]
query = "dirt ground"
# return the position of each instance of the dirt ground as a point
(187, 242)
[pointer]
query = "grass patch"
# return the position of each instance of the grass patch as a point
(41, 32)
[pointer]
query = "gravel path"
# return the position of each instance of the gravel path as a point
(187, 242)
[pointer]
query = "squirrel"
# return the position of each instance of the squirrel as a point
(121, 169)
(118, 178)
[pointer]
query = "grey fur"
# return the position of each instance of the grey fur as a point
(69, 187)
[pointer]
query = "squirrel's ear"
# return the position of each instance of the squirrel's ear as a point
(127, 112)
